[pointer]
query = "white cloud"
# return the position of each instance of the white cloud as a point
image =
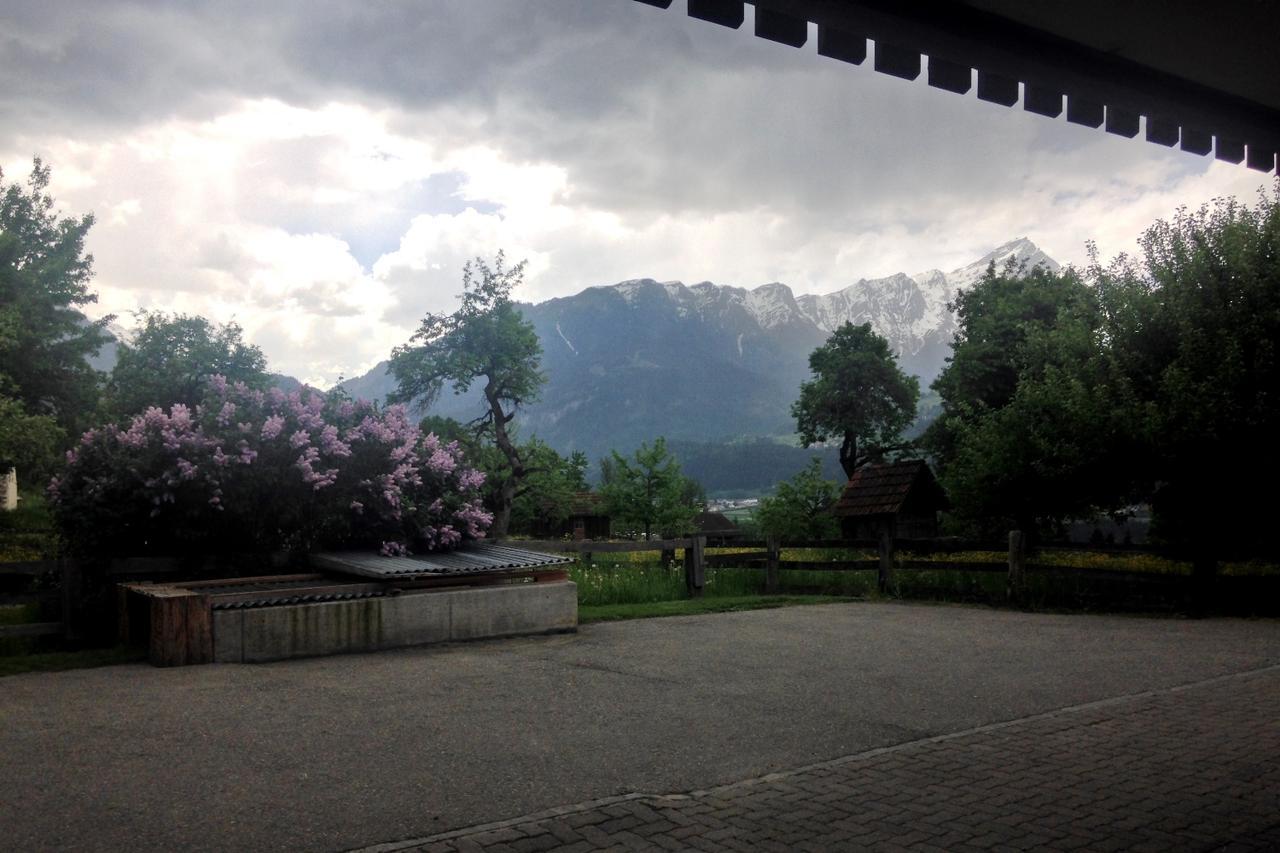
(324, 183)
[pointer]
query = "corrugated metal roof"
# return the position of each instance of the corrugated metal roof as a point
(279, 599)
(473, 558)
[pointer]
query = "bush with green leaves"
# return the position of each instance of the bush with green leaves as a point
(801, 507)
(249, 471)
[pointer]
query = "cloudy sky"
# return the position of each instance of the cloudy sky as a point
(319, 171)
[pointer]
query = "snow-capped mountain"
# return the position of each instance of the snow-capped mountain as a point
(642, 358)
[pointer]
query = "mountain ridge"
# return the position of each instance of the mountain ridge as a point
(629, 361)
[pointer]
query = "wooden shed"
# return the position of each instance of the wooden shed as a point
(588, 518)
(902, 498)
(715, 524)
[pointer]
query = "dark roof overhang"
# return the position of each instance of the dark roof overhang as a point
(1204, 76)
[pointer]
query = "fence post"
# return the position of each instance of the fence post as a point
(70, 571)
(772, 558)
(1017, 566)
(694, 570)
(885, 577)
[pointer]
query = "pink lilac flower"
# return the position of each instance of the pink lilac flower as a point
(470, 479)
(272, 427)
(299, 438)
(228, 412)
(442, 461)
(393, 549)
(331, 444)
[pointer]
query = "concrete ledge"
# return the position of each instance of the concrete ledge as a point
(410, 619)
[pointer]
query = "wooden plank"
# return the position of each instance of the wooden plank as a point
(884, 577)
(1017, 566)
(479, 578)
(72, 597)
(213, 584)
(217, 598)
(772, 557)
(31, 629)
(601, 547)
(181, 628)
(950, 566)
(829, 565)
(148, 566)
(19, 598)
(695, 567)
(730, 560)
(199, 617)
(28, 567)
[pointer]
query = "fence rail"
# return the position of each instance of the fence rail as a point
(892, 556)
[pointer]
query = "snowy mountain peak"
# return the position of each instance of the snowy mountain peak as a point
(911, 311)
(1021, 249)
(771, 304)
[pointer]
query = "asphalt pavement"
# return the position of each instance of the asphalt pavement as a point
(349, 751)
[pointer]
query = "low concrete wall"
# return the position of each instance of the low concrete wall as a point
(412, 619)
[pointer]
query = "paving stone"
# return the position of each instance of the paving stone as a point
(1196, 767)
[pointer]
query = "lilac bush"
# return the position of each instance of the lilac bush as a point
(253, 471)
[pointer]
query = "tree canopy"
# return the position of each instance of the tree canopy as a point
(544, 498)
(45, 339)
(487, 339)
(649, 490)
(1193, 327)
(801, 507)
(168, 359)
(858, 395)
(1031, 427)
(1150, 379)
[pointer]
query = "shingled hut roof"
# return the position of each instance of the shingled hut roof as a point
(714, 522)
(883, 489)
(587, 503)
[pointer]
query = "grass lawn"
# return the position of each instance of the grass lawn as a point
(691, 606)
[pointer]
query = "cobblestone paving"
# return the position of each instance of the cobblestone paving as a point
(1190, 768)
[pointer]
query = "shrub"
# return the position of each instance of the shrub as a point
(252, 472)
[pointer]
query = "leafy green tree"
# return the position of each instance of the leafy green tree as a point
(649, 489)
(45, 340)
(801, 507)
(28, 442)
(858, 395)
(168, 359)
(1193, 325)
(546, 497)
(486, 340)
(1036, 423)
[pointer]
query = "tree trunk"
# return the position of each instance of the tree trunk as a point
(507, 494)
(502, 512)
(849, 454)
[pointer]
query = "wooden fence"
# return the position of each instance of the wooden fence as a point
(696, 560)
(763, 554)
(69, 575)
(1016, 562)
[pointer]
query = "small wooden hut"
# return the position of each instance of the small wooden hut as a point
(902, 498)
(715, 524)
(588, 518)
